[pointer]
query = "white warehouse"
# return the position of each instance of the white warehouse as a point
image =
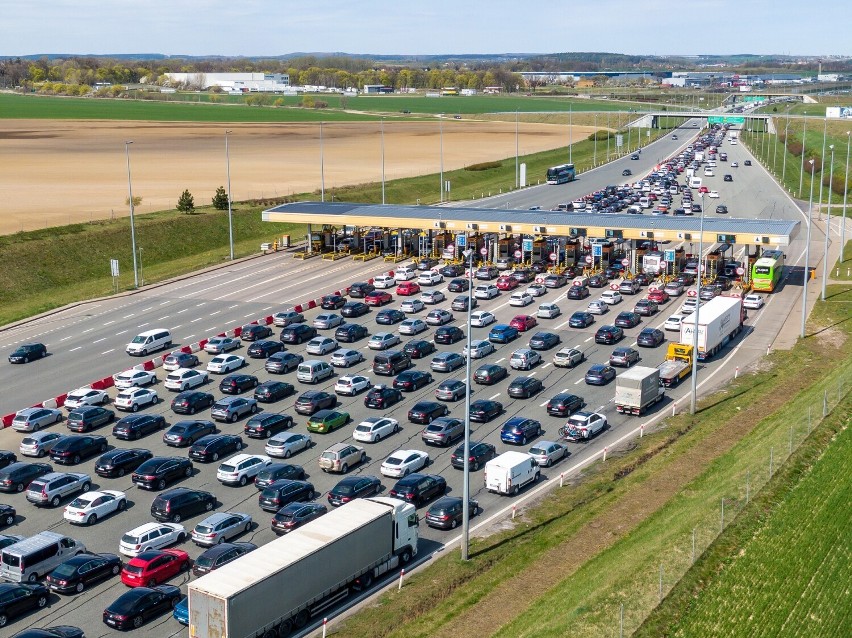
(241, 82)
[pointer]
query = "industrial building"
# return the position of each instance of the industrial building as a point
(237, 82)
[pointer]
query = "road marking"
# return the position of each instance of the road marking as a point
(188, 337)
(73, 349)
(142, 325)
(267, 308)
(234, 306)
(216, 312)
(248, 315)
(499, 360)
(198, 305)
(146, 309)
(66, 338)
(164, 303)
(589, 339)
(88, 330)
(184, 310)
(541, 405)
(211, 329)
(579, 381)
(545, 365)
(120, 333)
(197, 319)
(176, 327)
(108, 351)
(163, 318)
(109, 323)
(127, 316)
(494, 397)
(99, 340)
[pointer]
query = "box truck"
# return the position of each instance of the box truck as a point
(638, 389)
(719, 321)
(509, 472)
(281, 585)
(677, 366)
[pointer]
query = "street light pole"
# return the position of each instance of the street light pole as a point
(322, 166)
(822, 166)
(570, 134)
(441, 135)
(804, 149)
(595, 154)
(466, 479)
(827, 224)
(517, 170)
(132, 221)
(784, 164)
(845, 193)
(230, 215)
(383, 160)
(807, 274)
(694, 396)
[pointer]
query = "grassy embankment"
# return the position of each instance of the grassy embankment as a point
(568, 565)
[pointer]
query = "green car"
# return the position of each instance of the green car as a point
(325, 421)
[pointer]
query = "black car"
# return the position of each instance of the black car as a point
(728, 177)
(412, 380)
(419, 348)
(192, 401)
(7, 515)
(722, 209)
(646, 308)
(17, 599)
(279, 493)
(332, 302)
(578, 292)
(352, 487)
(212, 447)
(747, 163)
(17, 476)
(544, 340)
(650, 337)
(360, 289)
(350, 332)
(82, 570)
(135, 426)
(427, 411)
(295, 515)
(88, 417)
(448, 334)
(236, 383)
(7, 458)
(452, 270)
(219, 555)
(270, 391)
(524, 387)
(76, 447)
(419, 488)
(28, 352)
(600, 374)
(382, 396)
(458, 285)
(448, 513)
(564, 404)
(480, 454)
(255, 332)
(581, 319)
(180, 503)
(157, 472)
(598, 281)
(185, 433)
(489, 374)
(627, 319)
(57, 631)
(298, 333)
(133, 608)
(354, 309)
(282, 362)
(264, 349)
(313, 401)
(277, 471)
(119, 462)
(389, 316)
(266, 424)
(609, 335)
(483, 410)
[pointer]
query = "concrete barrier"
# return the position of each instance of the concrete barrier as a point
(157, 361)
(198, 345)
(188, 349)
(236, 332)
(49, 404)
(312, 304)
(7, 420)
(269, 320)
(297, 308)
(149, 365)
(231, 333)
(60, 400)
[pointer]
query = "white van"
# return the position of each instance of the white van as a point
(695, 182)
(313, 371)
(509, 472)
(30, 559)
(149, 341)
(406, 272)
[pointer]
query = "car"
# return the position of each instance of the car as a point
(568, 357)
(295, 515)
(609, 335)
(427, 411)
(285, 444)
(658, 296)
(519, 430)
(283, 492)
(321, 345)
(283, 362)
(33, 419)
(313, 400)
(546, 453)
(350, 385)
(524, 387)
(220, 555)
(520, 298)
(673, 322)
(674, 288)
(432, 297)
(382, 397)
(342, 456)
(185, 433)
(118, 462)
(597, 307)
(133, 379)
(352, 487)
(577, 292)
(131, 400)
(271, 391)
(581, 319)
(461, 302)
(220, 345)
(383, 341)
(378, 298)
(84, 397)
(451, 390)
(407, 288)
(480, 454)
(418, 348)
(88, 417)
(753, 302)
(191, 402)
(74, 448)
(332, 302)
(629, 286)
(264, 348)
(536, 290)
(325, 421)
(728, 177)
(448, 335)
(158, 471)
(154, 566)
(384, 281)
(506, 282)
(626, 172)
(223, 363)
(524, 359)
(690, 305)
(403, 462)
(598, 281)
(287, 317)
(412, 327)
(277, 471)
(486, 273)
(419, 488)
(49, 489)
(7, 458)
(430, 278)
(483, 410)
(624, 357)
(645, 308)
(522, 323)
(327, 320)
(599, 374)
(360, 289)
(151, 536)
(412, 305)
(479, 348)
(459, 285)
(354, 309)
(350, 332)
(255, 332)
(489, 374)
(447, 512)
(389, 316)
(555, 280)
(564, 404)
(447, 362)
(240, 469)
(650, 337)
(452, 270)
(435, 318)
(17, 476)
(481, 319)
(375, 428)
(28, 352)
(634, 157)
(486, 291)
(503, 333)
(443, 431)
(627, 319)
(298, 333)
(185, 378)
(82, 570)
(16, 599)
(721, 209)
(412, 380)
(611, 297)
(132, 609)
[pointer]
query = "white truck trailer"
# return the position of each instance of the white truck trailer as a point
(637, 389)
(509, 472)
(281, 585)
(719, 321)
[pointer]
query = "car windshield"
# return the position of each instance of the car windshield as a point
(204, 561)
(80, 503)
(227, 468)
(203, 529)
(344, 490)
(393, 461)
(126, 604)
(64, 571)
(134, 569)
(129, 539)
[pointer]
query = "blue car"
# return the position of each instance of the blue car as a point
(181, 612)
(518, 430)
(503, 333)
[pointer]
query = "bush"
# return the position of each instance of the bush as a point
(484, 166)
(795, 148)
(320, 104)
(186, 203)
(220, 199)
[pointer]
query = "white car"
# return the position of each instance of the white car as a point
(753, 302)
(382, 341)
(522, 298)
(151, 536)
(412, 327)
(134, 379)
(375, 428)
(87, 508)
(241, 468)
(135, 398)
(285, 444)
(430, 278)
(537, 290)
(611, 297)
(433, 296)
(548, 311)
(479, 348)
(689, 306)
(597, 307)
(486, 291)
(568, 358)
(734, 164)
(185, 378)
(85, 396)
(673, 323)
(222, 363)
(321, 345)
(345, 358)
(713, 194)
(327, 320)
(412, 305)
(384, 281)
(437, 317)
(350, 385)
(218, 345)
(482, 318)
(404, 462)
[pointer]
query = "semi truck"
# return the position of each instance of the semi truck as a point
(677, 366)
(719, 321)
(280, 586)
(637, 389)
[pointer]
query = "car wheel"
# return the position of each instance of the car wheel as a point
(137, 622)
(135, 408)
(344, 468)
(161, 484)
(176, 518)
(187, 472)
(247, 528)
(76, 459)
(233, 418)
(253, 409)
(215, 456)
(287, 454)
(243, 480)
(54, 501)
(524, 440)
(238, 446)
(208, 506)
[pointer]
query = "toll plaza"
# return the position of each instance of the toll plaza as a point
(555, 241)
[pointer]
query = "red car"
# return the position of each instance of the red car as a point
(703, 189)
(660, 296)
(507, 282)
(408, 288)
(523, 322)
(154, 566)
(378, 298)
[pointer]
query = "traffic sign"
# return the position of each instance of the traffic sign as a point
(461, 240)
(625, 262)
(691, 293)
(553, 256)
(483, 251)
(669, 255)
(597, 250)
(527, 245)
(539, 280)
(653, 288)
(452, 248)
(613, 286)
(740, 271)
(518, 254)
(589, 259)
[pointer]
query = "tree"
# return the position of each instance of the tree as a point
(220, 199)
(186, 203)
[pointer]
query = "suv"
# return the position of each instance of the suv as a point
(53, 487)
(181, 502)
(443, 431)
(238, 469)
(391, 363)
(342, 456)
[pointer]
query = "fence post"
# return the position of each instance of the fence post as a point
(722, 517)
(324, 623)
(748, 484)
(809, 420)
(661, 582)
(791, 439)
(770, 462)
(401, 575)
(693, 545)
(825, 404)
(621, 623)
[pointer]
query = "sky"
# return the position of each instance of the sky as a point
(383, 27)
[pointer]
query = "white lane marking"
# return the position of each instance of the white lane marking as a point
(146, 309)
(109, 323)
(234, 306)
(99, 340)
(541, 405)
(215, 312)
(267, 308)
(87, 330)
(108, 351)
(188, 337)
(589, 339)
(66, 338)
(197, 319)
(142, 325)
(184, 310)
(198, 305)
(163, 318)
(494, 397)
(165, 302)
(248, 315)
(73, 349)
(128, 316)
(176, 327)
(499, 360)
(211, 329)
(546, 365)
(120, 333)
(579, 381)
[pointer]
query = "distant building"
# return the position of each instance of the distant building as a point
(377, 89)
(236, 82)
(492, 90)
(468, 92)
(449, 90)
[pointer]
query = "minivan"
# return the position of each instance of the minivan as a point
(36, 556)
(391, 362)
(313, 371)
(149, 341)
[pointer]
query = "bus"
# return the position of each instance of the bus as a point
(766, 271)
(561, 174)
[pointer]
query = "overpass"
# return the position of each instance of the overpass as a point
(652, 119)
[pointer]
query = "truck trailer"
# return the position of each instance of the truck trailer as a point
(677, 366)
(637, 389)
(719, 321)
(281, 585)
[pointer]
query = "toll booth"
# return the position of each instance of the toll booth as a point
(441, 240)
(573, 251)
(505, 247)
(540, 251)
(713, 264)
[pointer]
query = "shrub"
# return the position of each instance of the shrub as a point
(484, 166)
(186, 203)
(220, 199)
(795, 148)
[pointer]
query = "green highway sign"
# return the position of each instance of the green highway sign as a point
(726, 119)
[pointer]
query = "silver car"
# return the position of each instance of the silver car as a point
(286, 444)
(219, 527)
(178, 360)
(232, 408)
(39, 443)
(327, 320)
(346, 357)
(284, 319)
(568, 358)
(218, 345)
(32, 419)
(320, 345)
(546, 453)
(479, 348)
